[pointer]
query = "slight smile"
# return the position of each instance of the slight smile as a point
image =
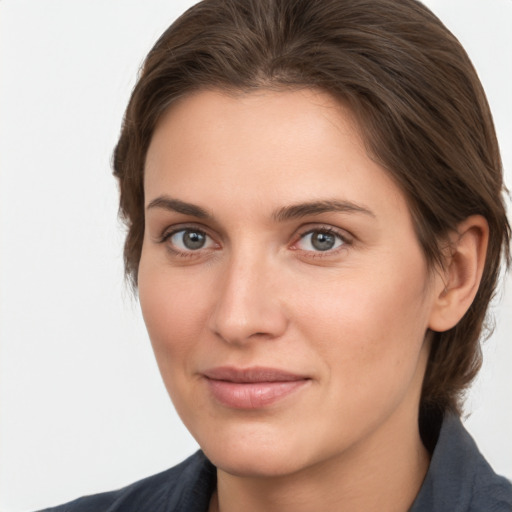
(252, 388)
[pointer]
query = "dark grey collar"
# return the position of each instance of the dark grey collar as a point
(459, 479)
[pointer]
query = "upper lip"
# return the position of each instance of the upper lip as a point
(251, 375)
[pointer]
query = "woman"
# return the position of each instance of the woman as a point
(315, 228)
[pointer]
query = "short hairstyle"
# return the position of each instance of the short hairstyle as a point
(420, 105)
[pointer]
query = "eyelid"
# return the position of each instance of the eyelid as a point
(346, 237)
(170, 231)
(342, 234)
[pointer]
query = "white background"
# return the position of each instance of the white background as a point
(82, 405)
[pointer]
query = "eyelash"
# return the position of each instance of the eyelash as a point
(329, 230)
(166, 236)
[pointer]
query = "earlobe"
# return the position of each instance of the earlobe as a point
(458, 282)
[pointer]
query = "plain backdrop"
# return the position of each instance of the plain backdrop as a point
(83, 408)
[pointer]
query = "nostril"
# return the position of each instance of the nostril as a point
(257, 326)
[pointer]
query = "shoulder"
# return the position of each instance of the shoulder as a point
(187, 486)
(459, 478)
(491, 492)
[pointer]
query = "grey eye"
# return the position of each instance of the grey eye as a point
(190, 240)
(323, 241)
(320, 241)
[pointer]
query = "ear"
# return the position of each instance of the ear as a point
(456, 285)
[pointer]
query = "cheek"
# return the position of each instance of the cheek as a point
(369, 326)
(174, 311)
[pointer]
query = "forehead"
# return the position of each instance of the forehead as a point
(265, 147)
(265, 117)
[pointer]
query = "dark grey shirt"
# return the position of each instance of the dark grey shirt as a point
(458, 480)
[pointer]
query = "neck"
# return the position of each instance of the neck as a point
(382, 473)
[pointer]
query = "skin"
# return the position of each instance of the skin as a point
(352, 319)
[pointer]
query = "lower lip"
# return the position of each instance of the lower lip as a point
(252, 395)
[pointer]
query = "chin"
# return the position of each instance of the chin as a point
(256, 463)
(254, 453)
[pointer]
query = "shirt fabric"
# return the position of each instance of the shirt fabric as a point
(459, 479)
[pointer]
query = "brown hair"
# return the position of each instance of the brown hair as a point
(421, 107)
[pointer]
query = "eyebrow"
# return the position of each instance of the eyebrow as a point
(175, 205)
(286, 213)
(296, 211)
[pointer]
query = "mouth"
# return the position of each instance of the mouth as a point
(252, 388)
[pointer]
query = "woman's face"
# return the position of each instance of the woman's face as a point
(281, 282)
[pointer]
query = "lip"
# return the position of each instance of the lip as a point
(252, 388)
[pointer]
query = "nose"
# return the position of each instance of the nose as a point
(249, 304)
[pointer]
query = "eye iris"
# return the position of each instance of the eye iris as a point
(193, 240)
(323, 241)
